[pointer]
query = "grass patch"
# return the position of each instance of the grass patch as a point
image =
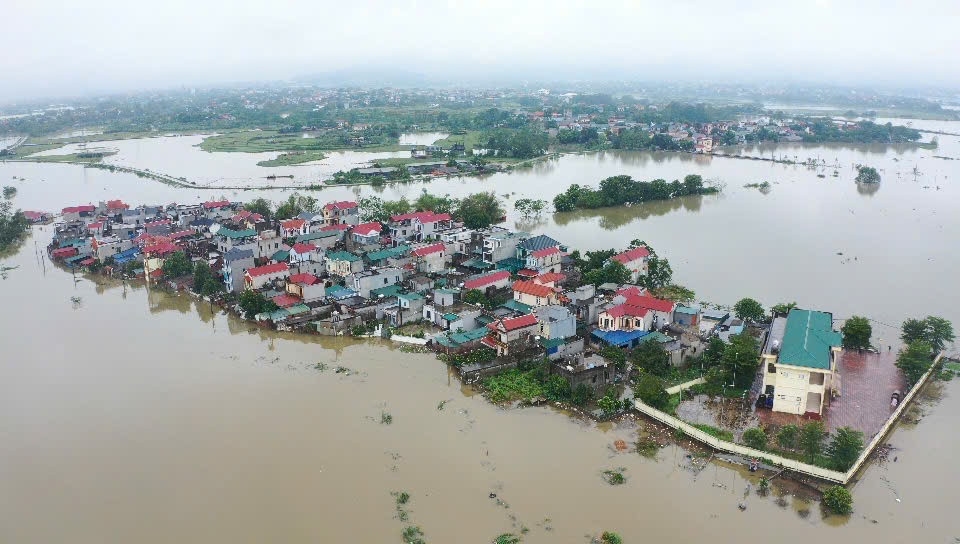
(507, 538)
(386, 418)
(258, 141)
(293, 158)
(647, 447)
(512, 385)
(614, 477)
(715, 432)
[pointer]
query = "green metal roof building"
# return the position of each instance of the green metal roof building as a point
(808, 339)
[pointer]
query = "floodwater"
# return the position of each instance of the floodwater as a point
(140, 416)
(421, 138)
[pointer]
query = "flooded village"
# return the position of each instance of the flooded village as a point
(226, 369)
(514, 315)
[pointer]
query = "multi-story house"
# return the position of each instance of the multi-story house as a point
(258, 277)
(366, 233)
(431, 258)
(534, 294)
(418, 226)
(799, 375)
(635, 260)
(228, 239)
(236, 262)
(344, 212)
(343, 263)
(366, 280)
(509, 333)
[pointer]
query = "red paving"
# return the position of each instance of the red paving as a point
(867, 381)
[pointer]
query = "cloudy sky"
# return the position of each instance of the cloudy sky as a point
(57, 48)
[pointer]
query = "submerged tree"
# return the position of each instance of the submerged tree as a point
(749, 309)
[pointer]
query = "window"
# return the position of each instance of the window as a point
(771, 368)
(384, 281)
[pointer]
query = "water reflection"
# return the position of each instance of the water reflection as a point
(868, 189)
(614, 218)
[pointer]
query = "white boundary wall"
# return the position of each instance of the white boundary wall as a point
(796, 466)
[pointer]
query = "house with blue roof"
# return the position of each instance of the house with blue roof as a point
(799, 371)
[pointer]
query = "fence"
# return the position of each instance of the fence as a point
(791, 464)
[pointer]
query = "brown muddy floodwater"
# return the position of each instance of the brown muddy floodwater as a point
(138, 416)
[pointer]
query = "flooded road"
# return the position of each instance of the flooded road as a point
(137, 416)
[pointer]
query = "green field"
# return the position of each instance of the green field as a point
(470, 140)
(293, 158)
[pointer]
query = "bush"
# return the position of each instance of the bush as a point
(581, 394)
(811, 438)
(755, 438)
(838, 500)
(609, 537)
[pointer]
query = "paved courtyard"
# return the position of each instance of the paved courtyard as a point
(867, 380)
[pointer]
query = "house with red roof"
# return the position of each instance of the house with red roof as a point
(258, 277)
(36, 217)
(418, 226)
(76, 213)
(550, 279)
(113, 207)
(96, 228)
(624, 317)
(490, 280)
(636, 260)
(216, 204)
(532, 293)
(545, 260)
(510, 333)
(306, 287)
(367, 233)
(291, 228)
(302, 252)
(217, 209)
(344, 212)
(431, 258)
(661, 311)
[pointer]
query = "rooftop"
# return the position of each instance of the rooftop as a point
(268, 269)
(537, 243)
(631, 255)
(808, 339)
(342, 256)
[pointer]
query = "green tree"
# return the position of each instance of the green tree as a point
(557, 388)
(609, 537)
(659, 273)
(201, 273)
(615, 355)
(838, 500)
(844, 448)
(211, 287)
(713, 354)
(755, 438)
(913, 330)
(867, 174)
(856, 332)
(438, 204)
(177, 265)
(253, 303)
(652, 358)
(782, 309)
(611, 272)
(474, 296)
(529, 208)
(914, 360)
(676, 293)
(259, 205)
(811, 439)
(787, 436)
(480, 210)
(939, 332)
(741, 358)
(650, 390)
(609, 404)
(581, 394)
(749, 309)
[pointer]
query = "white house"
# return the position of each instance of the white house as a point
(635, 260)
(366, 233)
(306, 286)
(301, 253)
(545, 260)
(258, 277)
(292, 228)
(344, 212)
